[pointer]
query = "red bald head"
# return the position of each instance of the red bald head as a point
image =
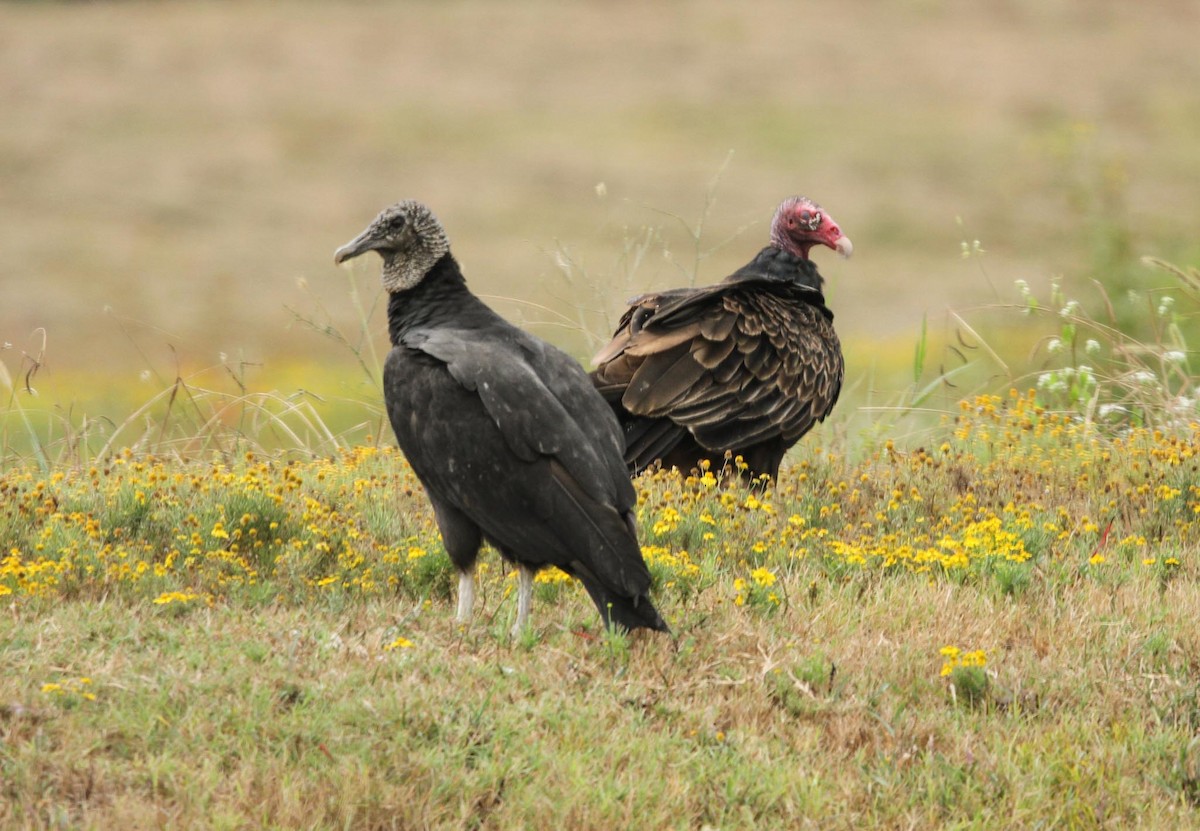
(800, 223)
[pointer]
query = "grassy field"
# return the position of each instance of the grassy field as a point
(997, 630)
(964, 605)
(175, 179)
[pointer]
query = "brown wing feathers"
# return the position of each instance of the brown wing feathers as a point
(738, 369)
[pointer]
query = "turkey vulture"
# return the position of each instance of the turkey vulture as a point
(507, 434)
(743, 367)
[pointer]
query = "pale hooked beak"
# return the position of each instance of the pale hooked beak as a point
(359, 245)
(844, 246)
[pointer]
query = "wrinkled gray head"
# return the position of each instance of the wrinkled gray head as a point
(408, 237)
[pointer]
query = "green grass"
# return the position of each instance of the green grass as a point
(268, 643)
(223, 600)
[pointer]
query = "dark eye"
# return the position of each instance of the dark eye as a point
(396, 223)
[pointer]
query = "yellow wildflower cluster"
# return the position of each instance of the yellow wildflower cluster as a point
(174, 597)
(670, 565)
(1003, 486)
(668, 521)
(953, 657)
(174, 532)
(551, 576)
(757, 591)
(70, 690)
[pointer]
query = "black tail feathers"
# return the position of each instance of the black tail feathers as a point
(626, 613)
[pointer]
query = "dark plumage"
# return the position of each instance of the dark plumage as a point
(508, 436)
(746, 366)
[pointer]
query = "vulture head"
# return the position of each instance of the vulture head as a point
(800, 223)
(408, 237)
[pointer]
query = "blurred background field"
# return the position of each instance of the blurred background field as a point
(177, 176)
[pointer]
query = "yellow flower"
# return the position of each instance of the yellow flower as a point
(950, 653)
(551, 575)
(978, 658)
(399, 643)
(763, 576)
(174, 597)
(739, 586)
(955, 657)
(1165, 492)
(70, 687)
(667, 522)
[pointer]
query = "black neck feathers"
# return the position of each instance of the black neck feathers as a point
(776, 264)
(441, 297)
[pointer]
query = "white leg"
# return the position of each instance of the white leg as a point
(466, 594)
(524, 598)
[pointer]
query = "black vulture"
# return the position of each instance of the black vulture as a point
(509, 437)
(744, 367)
